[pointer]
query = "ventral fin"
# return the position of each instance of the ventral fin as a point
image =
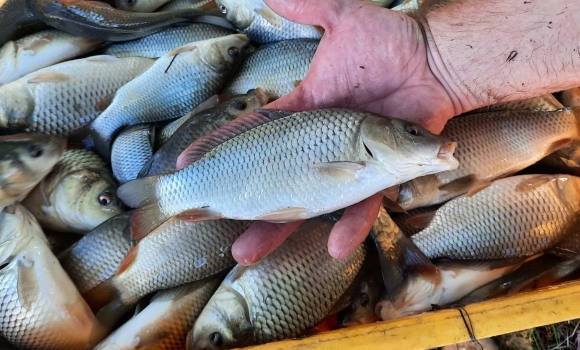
(461, 185)
(49, 77)
(422, 220)
(284, 215)
(530, 184)
(478, 188)
(339, 170)
(128, 260)
(182, 49)
(27, 283)
(232, 129)
(201, 214)
(391, 193)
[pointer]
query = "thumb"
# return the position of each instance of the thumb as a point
(313, 12)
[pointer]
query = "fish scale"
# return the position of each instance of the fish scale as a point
(184, 4)
(64, 107)
(503, 221)
(262, 32)
(276, 68)
(161, 43)
(287, 292)
(131, 149)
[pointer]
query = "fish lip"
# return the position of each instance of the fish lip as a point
(446, 151)
(262, 96)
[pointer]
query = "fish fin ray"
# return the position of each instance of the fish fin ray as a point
(204, 144)
(459, 186)
(38, 44)
(339, 170)
(182, 49)
(128, 260)
(139, 192)
(478, 188)
(422, 220)
(530, 184)
(284, 215)
(27, 284)
(49, 77)
(145, 220)
(201, 214)
(391, 193)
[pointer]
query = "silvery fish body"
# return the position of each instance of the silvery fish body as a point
(261, 24)
(131, 150)
(176, 253)
(163, 42)
(78, 195)
(514, 217)
(280, 297)
(44, 49)
(174, 85)
(164, 323)
(40, 307)
(185, 4)
(297, 164)
(540, 103)
(491, 146)
(63, 99)
(201, 124)
(24, 161)
(262, 68)
(96, 257)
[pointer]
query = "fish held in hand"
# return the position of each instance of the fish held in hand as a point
(77, 196)
(98, 20)
(514, 217)
(258, 304)
(174, 85)
(332, 151)
(65, 98)
(203, 249)
(262, 68)
(487, 150)
(40, 306)
(161, 43)
(165, 159)
(44, 49)
(24, 161)
(132, 149)
(165, 322)
(261, 24)
(97, 256)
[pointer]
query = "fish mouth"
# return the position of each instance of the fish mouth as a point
(446, 151)
(262, 96)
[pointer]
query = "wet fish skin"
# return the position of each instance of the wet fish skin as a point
(96, 256)
(131, 150)
(171, 87)
(514, 217)
(97, 20)
(202, 248)
(165, 159)
(488, 150)
(13, 14)
(262, 68)
(328, 150)
(161, 43)
(44, 49)
(456, 280)
(261, 24)
(258, 304)
(24, 160)
(185, 4)
(63, 99)
(77, 196)
(48, 313)
(140, 5)
(164, 323)
(545, 102)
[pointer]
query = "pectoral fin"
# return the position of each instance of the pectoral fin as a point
(27, 284)
(338, 170)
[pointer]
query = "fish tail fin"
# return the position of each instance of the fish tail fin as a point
(146, 219)
(400, 258)
(139, 192)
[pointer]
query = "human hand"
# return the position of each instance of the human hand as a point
(371, 59)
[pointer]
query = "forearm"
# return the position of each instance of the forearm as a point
(489, 51)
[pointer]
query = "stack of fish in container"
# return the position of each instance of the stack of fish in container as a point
(154, 105)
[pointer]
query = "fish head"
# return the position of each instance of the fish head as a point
(225, 53)
(417, 151)
(84, 199)
(239, 12)
(223, 324)
(8, 61)
(242, 104)
(17, 227)
(16, 105)
(362, 307)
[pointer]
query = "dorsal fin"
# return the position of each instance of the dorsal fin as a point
(232, 129)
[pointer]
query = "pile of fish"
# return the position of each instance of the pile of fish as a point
(134, 151)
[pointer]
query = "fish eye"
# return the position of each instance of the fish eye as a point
(364, 300)
(105, 198)
(35, 151)
(413, 130)
(233, 52)
(240, 106)
(223, 9)
(131, 2)
(216, 339)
